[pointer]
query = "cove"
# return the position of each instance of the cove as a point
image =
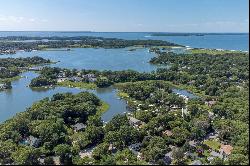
(96, 59)
(21, 97)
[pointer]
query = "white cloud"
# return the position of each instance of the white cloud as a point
(32, 20)
(19, 19)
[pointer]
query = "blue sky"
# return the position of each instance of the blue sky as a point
(125, 15)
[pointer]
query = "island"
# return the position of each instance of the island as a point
(11, 44)
(10, 68)
(206, 125)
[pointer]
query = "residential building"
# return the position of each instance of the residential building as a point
(134, 122)
(225, 150)
(196, 162)
(79, 127)
(167, 133)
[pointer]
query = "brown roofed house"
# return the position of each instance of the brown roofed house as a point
(167, 133)
(226, 149)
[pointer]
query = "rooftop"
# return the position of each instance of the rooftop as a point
(79, 126)
(226, 149)
(167, 132)
(134, 120)
(196, 162)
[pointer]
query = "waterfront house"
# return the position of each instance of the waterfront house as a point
(134, 122)
(79, 127)
(61, 74)
(84, 76)
(92, 79)
(90, 75)
(61, 80)
(75, 79)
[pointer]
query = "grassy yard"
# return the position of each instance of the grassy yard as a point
(212, 51)
(82, 85)
(103, 108)
(213, 144)
(122, 94)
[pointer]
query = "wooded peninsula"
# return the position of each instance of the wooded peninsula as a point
(161, 127)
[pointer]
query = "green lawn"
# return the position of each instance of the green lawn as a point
(82, 85)
(213, 144)
(103, 108)
(212, 52)
(122, 94)
(2, 80)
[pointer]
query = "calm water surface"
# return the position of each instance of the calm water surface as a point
(225, 41)
(21, 97)
(99, 59)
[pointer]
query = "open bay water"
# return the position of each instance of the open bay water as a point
(229, 41)
(21, 97)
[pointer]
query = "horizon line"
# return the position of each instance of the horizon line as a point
(108, 31)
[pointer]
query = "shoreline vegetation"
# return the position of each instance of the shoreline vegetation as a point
(2, 80)
(10, 68)
(103, 108)
(194, 34)
(81, 85)
(10, 47)
(161, 127)
(213, 51)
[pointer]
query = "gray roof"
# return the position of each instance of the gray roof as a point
(134, 120)
(33, 141)
(135, 146)
(79, 126)
(215, 154)
(196, 162)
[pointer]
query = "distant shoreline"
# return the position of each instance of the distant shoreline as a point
(216, 33)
